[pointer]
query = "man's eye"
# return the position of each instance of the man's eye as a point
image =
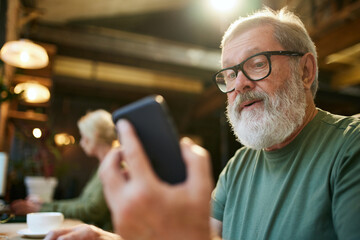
(232, 75)
(256, 63)
(259, 64)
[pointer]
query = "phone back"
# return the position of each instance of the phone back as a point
(156, 131)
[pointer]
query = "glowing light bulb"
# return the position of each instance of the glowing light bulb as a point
(31, 94)
(24, 56)
(37, 132)
(223, 5)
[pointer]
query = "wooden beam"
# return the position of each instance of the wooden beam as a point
(121, 43)
(28, 78)
(101, 72)
(339, 38)
(339, 32)
(346, 78)
(28, 116)
(86, 9)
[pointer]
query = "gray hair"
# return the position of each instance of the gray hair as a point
(98, 125)
(289, 31)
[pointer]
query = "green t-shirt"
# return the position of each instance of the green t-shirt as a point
(310, 189)
(90, 207)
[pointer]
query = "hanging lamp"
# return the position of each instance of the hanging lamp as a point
(24, 53)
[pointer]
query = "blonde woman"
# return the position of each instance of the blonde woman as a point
(98, 136)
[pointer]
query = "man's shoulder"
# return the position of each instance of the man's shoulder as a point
(340, 133)
(347, 124)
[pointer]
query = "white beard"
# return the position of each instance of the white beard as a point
(282, 114)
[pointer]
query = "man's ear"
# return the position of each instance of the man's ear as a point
(308, 66)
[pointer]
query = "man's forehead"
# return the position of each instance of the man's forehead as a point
(243, 30)
(248, 43)
(246, 53)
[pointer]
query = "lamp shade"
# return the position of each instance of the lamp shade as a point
(24, 54)
(33, 92)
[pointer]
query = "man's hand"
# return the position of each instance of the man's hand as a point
(144, 207)
(81, 232)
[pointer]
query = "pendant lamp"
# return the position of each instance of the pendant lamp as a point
(33, 92)
(24, 54)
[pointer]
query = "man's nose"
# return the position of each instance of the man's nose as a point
(243, 84)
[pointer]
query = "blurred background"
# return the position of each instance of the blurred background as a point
(108, 53)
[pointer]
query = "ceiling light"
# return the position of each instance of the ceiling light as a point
(33, 92)
(223, 5)
(24, 54)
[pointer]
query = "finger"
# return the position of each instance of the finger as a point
(53, 235)
(197, 161)
(110, 169)
(72, 235)
(112, 176)
(135, 156)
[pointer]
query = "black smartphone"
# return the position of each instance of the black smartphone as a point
(158, 135)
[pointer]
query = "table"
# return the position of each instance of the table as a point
(10, 229)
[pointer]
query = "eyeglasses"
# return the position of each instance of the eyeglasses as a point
(255, 68)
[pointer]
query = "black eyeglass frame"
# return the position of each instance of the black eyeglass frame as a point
(267, 54)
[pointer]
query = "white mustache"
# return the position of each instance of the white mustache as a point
(249, 96)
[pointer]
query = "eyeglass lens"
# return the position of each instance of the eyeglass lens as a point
(254, 68)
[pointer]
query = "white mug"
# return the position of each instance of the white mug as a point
(43, 222)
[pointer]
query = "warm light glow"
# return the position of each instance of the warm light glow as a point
(24, 54)
(115, 144)
(223, 5)
(346, 55)
(33, 92)
(63, 139)
(37, 132)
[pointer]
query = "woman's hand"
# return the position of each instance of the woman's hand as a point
(23, 207)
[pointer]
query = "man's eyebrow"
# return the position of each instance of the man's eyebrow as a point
(248, 53)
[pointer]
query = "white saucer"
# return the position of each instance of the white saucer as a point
(27, 233)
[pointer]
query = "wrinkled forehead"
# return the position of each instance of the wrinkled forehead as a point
(246, 43)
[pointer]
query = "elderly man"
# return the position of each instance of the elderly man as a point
(297, 176)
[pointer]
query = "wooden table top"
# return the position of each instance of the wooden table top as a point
(10, 230)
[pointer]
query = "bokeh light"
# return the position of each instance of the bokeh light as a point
(37, 132)
(63, 139)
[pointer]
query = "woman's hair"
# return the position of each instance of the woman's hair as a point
(98, 125)
(289, 31)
